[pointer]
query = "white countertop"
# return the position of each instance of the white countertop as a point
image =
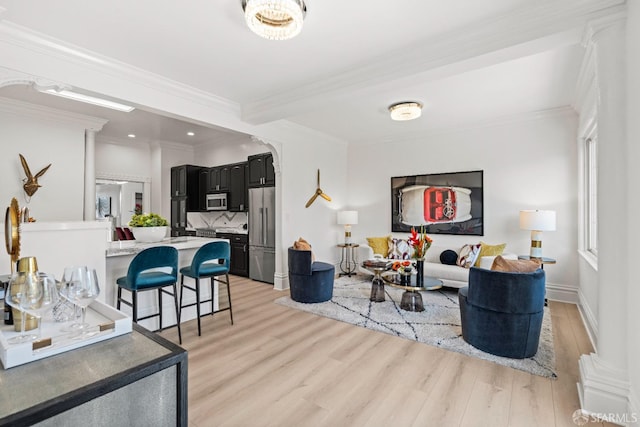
(131, 247)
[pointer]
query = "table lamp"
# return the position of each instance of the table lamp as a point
(537, 221)
(347, 218)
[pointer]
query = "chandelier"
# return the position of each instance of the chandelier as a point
(275, 19)
(405, 111)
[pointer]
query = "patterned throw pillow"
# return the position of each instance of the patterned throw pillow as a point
(489, 250)
(380, 245)
(468, 255)
(399, 249)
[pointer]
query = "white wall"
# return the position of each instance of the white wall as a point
(633, 136)
(42, 136)
(529, 163)
(123, 158)
(317, 223)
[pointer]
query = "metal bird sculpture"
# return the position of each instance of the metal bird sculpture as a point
(31, 182)
(318, 192)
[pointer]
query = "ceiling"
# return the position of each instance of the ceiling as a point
(467, 62)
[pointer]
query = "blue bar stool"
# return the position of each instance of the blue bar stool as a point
(206, 264)
(143, 275)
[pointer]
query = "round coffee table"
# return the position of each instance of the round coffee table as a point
(411, 298)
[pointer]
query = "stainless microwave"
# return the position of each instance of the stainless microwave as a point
(217, 202)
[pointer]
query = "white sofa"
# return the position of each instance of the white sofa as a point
(451, 275)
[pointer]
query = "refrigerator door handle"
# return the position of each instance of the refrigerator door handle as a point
(264, 225)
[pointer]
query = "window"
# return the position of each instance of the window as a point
(591, 195)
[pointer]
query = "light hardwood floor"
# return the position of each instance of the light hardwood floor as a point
(277, 366)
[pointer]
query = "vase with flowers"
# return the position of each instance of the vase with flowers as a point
(420, 243)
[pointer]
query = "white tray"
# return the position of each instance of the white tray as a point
(105, 322)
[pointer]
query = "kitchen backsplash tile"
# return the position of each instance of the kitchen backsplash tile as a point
(216, 219)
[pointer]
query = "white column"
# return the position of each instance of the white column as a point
(604, 385)
(90, 175)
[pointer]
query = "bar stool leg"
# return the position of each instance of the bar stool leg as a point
(198, 303)
(178, 311)
(229, 296)
(160, 307)
(134, 305)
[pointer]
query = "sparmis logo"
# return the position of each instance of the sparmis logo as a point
(581, 418)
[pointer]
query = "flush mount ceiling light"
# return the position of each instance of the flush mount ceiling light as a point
(405, 111)
(275, 19)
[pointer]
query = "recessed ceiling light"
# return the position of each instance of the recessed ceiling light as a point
(405, 110)
(132, 135)
(190, 133)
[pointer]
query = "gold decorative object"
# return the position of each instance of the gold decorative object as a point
(12, 232)
(31, 182)
(318, 192)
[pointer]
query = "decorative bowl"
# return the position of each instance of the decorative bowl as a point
(149, 234)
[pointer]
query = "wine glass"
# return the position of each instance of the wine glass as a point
(66, 309)
(24, 293)
(50, 297)
(82, 291)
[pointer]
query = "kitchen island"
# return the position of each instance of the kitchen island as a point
(118, 256)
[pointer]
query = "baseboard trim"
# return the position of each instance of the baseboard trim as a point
(280, 281)
(603, 394)
(562, 293)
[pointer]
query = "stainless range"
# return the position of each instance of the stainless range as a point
(205, 232)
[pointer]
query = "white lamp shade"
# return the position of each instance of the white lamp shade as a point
(348, 217)
(538, 220)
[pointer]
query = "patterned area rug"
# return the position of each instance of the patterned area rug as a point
(437, 325)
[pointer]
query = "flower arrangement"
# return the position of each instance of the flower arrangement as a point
(401, 266)
(420, 242)
(148, 220)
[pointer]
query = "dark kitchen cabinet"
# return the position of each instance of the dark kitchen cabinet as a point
(237, 187)
(179, 181)
(185, 182)
(185, 196)
(178, 216)
(261, 172)
(239, 253)
(204, 188)
(219, 178)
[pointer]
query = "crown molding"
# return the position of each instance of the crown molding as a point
(121, 177)
(452, 53)
(26, 38)
(9, 77)
(20, 108)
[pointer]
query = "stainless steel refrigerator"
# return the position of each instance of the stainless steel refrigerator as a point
(262, 234)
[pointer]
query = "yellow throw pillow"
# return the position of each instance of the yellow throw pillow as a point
(489, 250)
(380, 245)
(515, 266)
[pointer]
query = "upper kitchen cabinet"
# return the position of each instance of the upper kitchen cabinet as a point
(219, 178)
(179, 181)
(261, 172)
(237, 187)
(185, 182)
